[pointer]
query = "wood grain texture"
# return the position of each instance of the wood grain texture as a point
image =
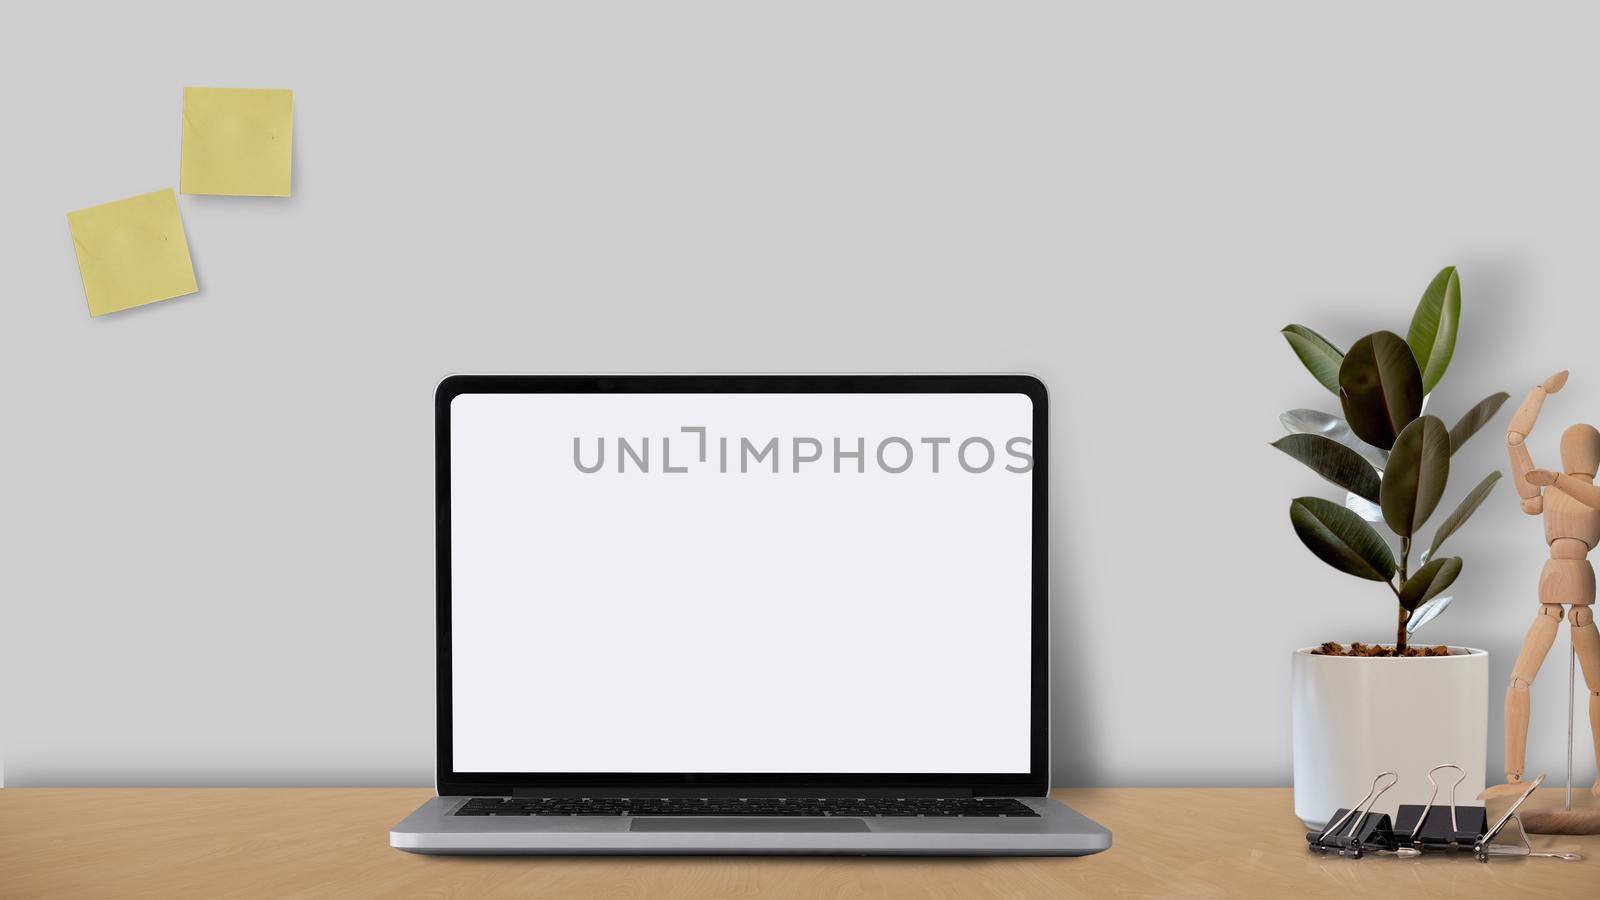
(305, 843)
(1562, 821)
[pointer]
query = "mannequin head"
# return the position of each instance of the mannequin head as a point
(1580, 450)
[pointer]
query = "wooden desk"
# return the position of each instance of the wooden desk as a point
(224, 843)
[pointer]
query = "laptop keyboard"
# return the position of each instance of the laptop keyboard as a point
(959, 807)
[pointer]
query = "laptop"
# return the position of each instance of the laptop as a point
(740, 614)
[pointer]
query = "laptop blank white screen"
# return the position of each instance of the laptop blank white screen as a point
(734, 589)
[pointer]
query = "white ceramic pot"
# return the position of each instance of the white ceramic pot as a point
(1355, 717)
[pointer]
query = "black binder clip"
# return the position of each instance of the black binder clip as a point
(1355, 832)
(1436, 828)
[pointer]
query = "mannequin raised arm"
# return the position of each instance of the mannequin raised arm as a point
(1516, 447)
(1528, 413)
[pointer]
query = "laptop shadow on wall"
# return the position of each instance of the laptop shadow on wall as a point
(1074, 750)
(1072, 731)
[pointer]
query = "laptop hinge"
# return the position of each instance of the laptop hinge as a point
(658, 791)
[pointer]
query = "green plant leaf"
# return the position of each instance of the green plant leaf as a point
(1321, 357)
(1419, 466)
(1310, 421)
(1380, 388)
(1428, 581)
(1341, 539)
(1468, 505)
(1432, 336)
(1475, 418)
(1427, 612)
(1333, 461)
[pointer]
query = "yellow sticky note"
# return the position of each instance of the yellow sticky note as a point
(237, 141)
(132, 252)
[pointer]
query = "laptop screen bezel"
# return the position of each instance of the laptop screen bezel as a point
(1034, 782)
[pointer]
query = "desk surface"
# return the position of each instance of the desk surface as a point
(294, 843)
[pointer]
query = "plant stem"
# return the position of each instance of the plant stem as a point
(1400, 629)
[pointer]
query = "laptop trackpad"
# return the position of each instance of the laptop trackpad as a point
(729, 823)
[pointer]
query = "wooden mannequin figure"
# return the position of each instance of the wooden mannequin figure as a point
(1571, 510)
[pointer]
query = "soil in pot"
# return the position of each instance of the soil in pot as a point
(1333, 648)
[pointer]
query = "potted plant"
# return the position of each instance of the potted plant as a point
(1371, 708)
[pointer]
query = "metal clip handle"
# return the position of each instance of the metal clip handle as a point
(1454, 829)
(1489, 836)
(1484, 849)
(1524, 850)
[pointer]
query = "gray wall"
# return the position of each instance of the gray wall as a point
(218, 560)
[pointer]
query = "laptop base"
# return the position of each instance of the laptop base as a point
(1057, 831)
